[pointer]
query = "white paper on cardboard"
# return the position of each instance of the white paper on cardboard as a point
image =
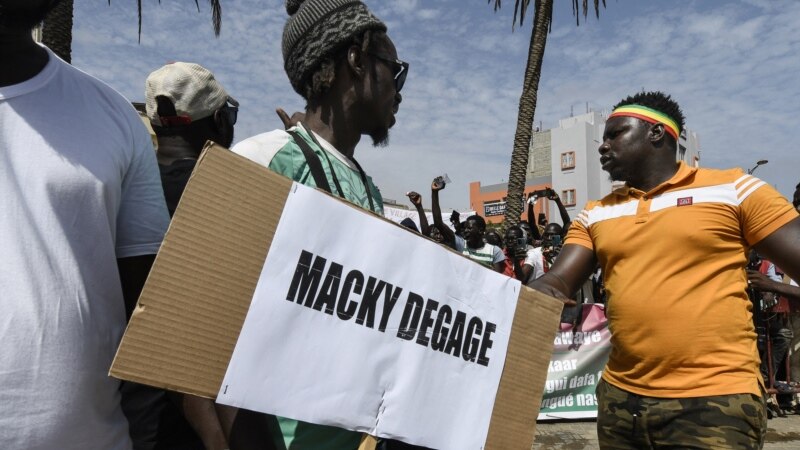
(348, 328)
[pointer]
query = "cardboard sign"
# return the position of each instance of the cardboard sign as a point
(354, 296)
(193, 306)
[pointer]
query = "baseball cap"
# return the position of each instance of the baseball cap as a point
(193, 90)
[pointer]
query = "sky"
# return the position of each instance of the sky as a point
(731, 66)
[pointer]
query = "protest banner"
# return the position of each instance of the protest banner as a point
(191, 316)
(579, 356)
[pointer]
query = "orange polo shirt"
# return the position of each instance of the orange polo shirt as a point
(673, 262)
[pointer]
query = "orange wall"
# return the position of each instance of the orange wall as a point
(477, 200)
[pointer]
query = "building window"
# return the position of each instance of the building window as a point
(681, 152)
(567, 160)
(568, 197)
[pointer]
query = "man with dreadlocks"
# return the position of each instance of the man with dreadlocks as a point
(338, 57)
(340, 60)
(672, 243)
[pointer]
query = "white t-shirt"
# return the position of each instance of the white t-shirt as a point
(535, 259)
(488, 255)
(79, 188)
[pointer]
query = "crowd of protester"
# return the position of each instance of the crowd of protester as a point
(525, 252)
(86, 202)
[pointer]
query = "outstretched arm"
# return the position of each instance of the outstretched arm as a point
(416, 200)
(573, 267)
(761, 282)
(783, 248)
(532, 220)
(562, 210)
(447, 233)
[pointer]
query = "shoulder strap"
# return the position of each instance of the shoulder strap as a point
(314, 164)
(366, 184)
(330, 165)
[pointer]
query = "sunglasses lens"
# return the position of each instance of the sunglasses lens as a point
(234, 115)
(401, 78)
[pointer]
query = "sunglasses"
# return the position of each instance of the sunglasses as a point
(402, 69)
(231, 113)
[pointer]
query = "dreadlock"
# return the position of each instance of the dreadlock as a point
(322, 79)
(656, 100)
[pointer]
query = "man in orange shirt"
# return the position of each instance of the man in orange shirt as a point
(672, 243)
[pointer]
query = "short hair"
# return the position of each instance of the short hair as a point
(659, 101)
(477, 219)
(519, 228)
(797, 187)
(409, 223)
(554, 227)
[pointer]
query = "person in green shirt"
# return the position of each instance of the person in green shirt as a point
(340, 60)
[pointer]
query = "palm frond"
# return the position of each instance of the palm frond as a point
(585, 6)
(578, 7)
(216, 14)
(520, 7)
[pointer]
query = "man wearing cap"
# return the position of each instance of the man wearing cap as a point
(186, 106)
(340, 60)
(81, 216)
(672, 243)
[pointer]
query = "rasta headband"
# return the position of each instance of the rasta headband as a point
(648, 115)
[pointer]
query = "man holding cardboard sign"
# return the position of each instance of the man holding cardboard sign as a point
(338, 57)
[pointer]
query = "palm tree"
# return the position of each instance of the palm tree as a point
(57, 27)
(57, 30)
(542, 22)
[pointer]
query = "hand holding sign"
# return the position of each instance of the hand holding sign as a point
(440, 182)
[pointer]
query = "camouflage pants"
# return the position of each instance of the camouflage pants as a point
(629, 421)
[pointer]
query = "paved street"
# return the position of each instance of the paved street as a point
(783, 434)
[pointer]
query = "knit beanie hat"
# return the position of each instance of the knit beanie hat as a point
(318, 28)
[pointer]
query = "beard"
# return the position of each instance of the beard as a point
(380, 138)
(617, 174)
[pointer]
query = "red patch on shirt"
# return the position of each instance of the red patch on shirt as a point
(685, 201)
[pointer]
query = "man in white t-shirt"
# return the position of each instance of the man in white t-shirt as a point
(82, 215)
(534, 264)
(473, 246)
